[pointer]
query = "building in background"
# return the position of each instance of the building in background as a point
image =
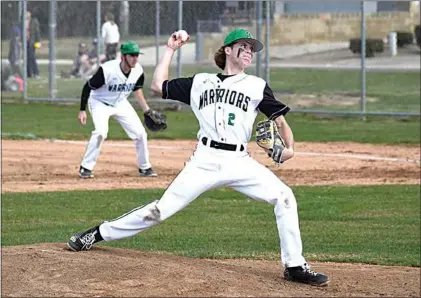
(341, 6)
(308, 7)
(394, 5)
(286, 7)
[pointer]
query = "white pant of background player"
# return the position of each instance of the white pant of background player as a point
(125, 114)
(210, 168)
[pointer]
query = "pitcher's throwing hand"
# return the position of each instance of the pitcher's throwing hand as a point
(178, 39)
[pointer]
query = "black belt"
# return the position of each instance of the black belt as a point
(222, 146)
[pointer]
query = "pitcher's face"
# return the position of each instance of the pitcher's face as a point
(241, 54)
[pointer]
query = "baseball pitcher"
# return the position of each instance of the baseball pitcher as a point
(226, 105)
(106, 93)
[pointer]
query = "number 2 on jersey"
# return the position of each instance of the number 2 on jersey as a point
(231, 117)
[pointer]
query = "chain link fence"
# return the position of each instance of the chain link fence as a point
(312, 57)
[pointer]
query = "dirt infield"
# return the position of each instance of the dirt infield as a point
(47, 270)
(50, 166)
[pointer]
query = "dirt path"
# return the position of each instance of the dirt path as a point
(47, 270)
(50, 166)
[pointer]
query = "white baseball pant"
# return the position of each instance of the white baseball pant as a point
(125, 114)
(210, 168)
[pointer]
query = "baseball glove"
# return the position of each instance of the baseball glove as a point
(155, 121)
(268, 137)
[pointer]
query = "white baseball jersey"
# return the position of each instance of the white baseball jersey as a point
(226, 106)
(116, 85)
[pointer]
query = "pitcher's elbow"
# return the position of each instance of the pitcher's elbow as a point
(156, 88)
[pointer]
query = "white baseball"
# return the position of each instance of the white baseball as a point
(182, 35)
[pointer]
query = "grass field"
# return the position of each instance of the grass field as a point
(387, 92)
(44, 120)
(346, 224)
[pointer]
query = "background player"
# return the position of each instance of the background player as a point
(111, 36)
(226, 105)
(107, 92)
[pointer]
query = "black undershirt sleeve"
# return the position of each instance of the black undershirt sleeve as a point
(84, 97)
(97, 81)
(178, 89)
(140, 82)
(271, 107)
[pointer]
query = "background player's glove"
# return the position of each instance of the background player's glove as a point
(268, 137)
(155, 121)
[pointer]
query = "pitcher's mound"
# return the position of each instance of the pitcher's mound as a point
(49, 269)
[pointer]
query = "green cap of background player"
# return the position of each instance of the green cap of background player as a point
(130, 47)
(243, 35)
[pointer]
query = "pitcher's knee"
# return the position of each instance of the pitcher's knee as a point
(153, 213)
(288, 197)
(285, 198)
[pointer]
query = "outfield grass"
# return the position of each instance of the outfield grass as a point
(370, 224)
(387, 92)
(60, 121)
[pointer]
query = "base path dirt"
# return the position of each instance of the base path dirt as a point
(53, 165)
(50, 270)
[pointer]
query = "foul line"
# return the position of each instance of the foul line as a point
(338, 155)
(360, 156)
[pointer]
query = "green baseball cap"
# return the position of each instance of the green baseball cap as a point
(243, 35)
(130, 47)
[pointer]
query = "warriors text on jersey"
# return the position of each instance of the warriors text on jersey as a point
(110, 85)
(226, 106)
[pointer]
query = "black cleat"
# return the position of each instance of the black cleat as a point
(82, 241)
(305, 275)
(85, 173)
(148, 173)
